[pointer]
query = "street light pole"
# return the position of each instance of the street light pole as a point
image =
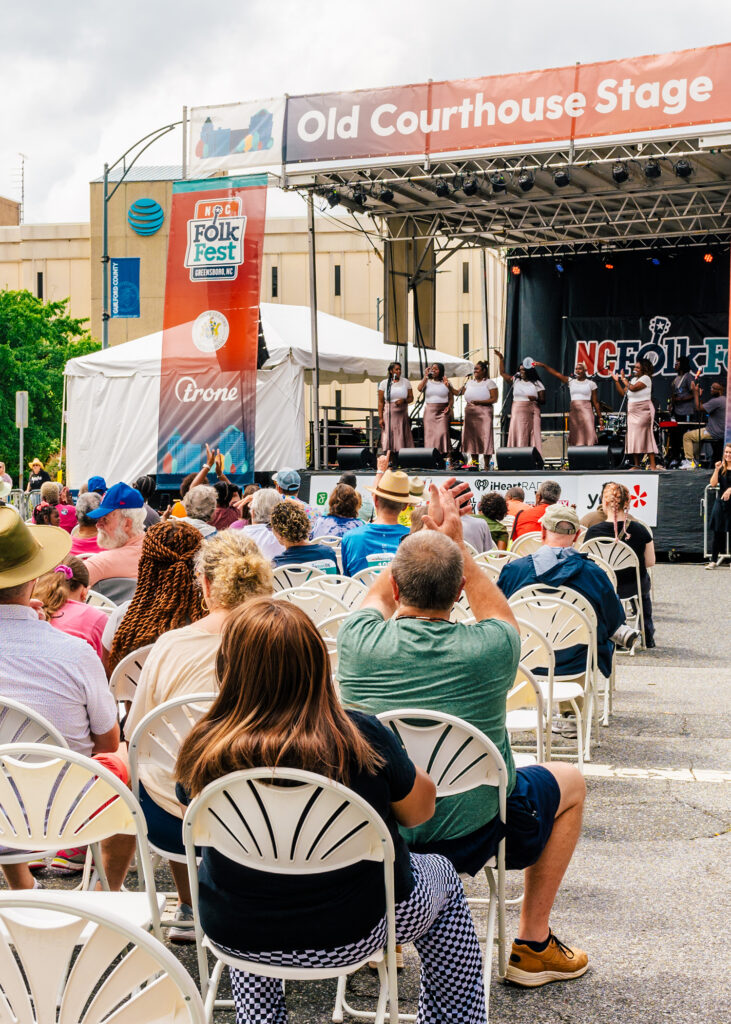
(126, 168)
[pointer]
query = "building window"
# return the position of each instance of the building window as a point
(338, 405)
(39, 284)
(275, 282)
(337, 279)
(466, 341)
(465, 278)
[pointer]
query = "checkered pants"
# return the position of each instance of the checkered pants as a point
(435, 918)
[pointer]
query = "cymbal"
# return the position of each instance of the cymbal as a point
(604, 407)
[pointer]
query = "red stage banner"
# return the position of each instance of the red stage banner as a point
(211, 326)
(613, 98)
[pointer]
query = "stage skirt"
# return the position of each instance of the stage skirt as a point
(436, 426)
(477, 430)
(581, 423)
(640, 439)
(397, 430)
(525, 426)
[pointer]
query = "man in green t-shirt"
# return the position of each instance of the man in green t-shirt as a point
(400, 650)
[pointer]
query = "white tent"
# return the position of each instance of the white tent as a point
(112, 396)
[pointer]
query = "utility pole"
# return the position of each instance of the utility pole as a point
(21, 422)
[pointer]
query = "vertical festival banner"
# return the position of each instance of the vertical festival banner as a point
(210, 326)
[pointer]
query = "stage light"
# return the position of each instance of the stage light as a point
(652, 169)
(333, 197)
(620, 173)
(515, 270)
(683, 168)
(559, 268)
(609, 266)
(526, 181)
(498, 182)
(655, 261)
(470, 185)
(385, 195)
(442, 188)
(562, 178)
(359, 196)
(708, 257)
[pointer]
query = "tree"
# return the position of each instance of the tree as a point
(36, 341)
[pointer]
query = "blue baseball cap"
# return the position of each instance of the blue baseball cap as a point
(288, 479)
(97, 483)
(118, 496)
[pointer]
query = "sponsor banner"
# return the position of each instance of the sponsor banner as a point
(210, 326)
(235, 136)
(583, 490)
(124, 277)
(642, 94)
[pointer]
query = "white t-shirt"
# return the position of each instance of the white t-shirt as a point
(436, 393)
(399, 388)
(580, 390)
(644, 394)
(479, 390)
(523, 390)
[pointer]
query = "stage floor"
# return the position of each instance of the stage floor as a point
(669, 501)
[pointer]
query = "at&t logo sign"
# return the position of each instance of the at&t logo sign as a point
(215, 248)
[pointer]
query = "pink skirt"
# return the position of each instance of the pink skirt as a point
(640, 439)
(581, 423)
(525, 426)
(436, 427)
(477, 430)
(397, 429)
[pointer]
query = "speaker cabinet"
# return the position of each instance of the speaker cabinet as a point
(595, 456)
(419, 458)
(519, 458)
(356, 458)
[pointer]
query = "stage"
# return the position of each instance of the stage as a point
(668, 501)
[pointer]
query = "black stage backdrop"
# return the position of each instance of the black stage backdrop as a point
(610, 317)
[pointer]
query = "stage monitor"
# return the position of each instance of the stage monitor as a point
(519, 458)
(356, 458)
(594, 456)
(419, 458)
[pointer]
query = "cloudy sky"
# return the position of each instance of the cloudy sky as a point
(81, 81)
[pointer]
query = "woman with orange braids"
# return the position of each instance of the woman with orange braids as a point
(166, 596)
(615, 502)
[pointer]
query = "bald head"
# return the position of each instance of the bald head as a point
(428, 570)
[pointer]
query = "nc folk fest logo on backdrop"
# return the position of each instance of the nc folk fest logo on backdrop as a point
(215, 249)
(604, 357)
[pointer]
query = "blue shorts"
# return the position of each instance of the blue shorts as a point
(164, 830)
(531, 811)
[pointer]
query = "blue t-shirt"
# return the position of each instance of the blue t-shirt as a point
(305, 553)
(373, 539)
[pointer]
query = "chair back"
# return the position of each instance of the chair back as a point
(68, 960)
(350, 591)
(21, 724)
(471, 548)
(563, 625)
(580, 539)
(329, 629)
(453, 753)
(616, 553)
(286, 577)
(492, 567)
(562, 593)
(117, 588)
(461, 611)
(315, 603)
(526, 544)
(368, 576)
(160, 734)
(496, 555)
(127, 672)
(331, 541)
(605, 566)
(526, 695)
(100, 601)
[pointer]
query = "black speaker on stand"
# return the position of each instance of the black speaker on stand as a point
(595, 456)
(356, 458)
(418, 458)
(519, 458)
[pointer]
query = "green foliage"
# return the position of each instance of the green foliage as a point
(36, 341)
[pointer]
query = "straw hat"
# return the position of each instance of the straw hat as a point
(416, 490)
(394, 486)
(26, 552)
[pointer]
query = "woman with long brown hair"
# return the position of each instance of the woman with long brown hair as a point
(277, 706)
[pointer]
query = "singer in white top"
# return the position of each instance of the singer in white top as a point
(584, 404)
(480, 396)
(394, 396)
(640, 412)
(529, 394)
(438, 403)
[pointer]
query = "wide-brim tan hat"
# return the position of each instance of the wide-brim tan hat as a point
(416, 490)
(26, 552)
(393, 486)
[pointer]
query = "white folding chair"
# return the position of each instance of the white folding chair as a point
(620, 556)
(312, 826)
(315, 603)
(598, 560)
(471, 548)
(335, 543)
(286, 577)
(492, 567)
(62, 799)
(526, 544)
(579, 540)
(368, 576)
(21, 724)
(347, 589)
(526, 713)
(461, 611)
(496, 555)
(100, 601)
(72, 958)
(126, 675)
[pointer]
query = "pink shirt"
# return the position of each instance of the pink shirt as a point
(82, 620)
(118, 563)
(84, 546)
(66, 517)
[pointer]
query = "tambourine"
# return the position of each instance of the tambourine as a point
(529, 362)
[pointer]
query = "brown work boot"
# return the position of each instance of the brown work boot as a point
(556, 962)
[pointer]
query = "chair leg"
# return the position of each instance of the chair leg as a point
(579, 735)
(340, 998)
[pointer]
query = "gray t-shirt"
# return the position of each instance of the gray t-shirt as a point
(716, 409)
